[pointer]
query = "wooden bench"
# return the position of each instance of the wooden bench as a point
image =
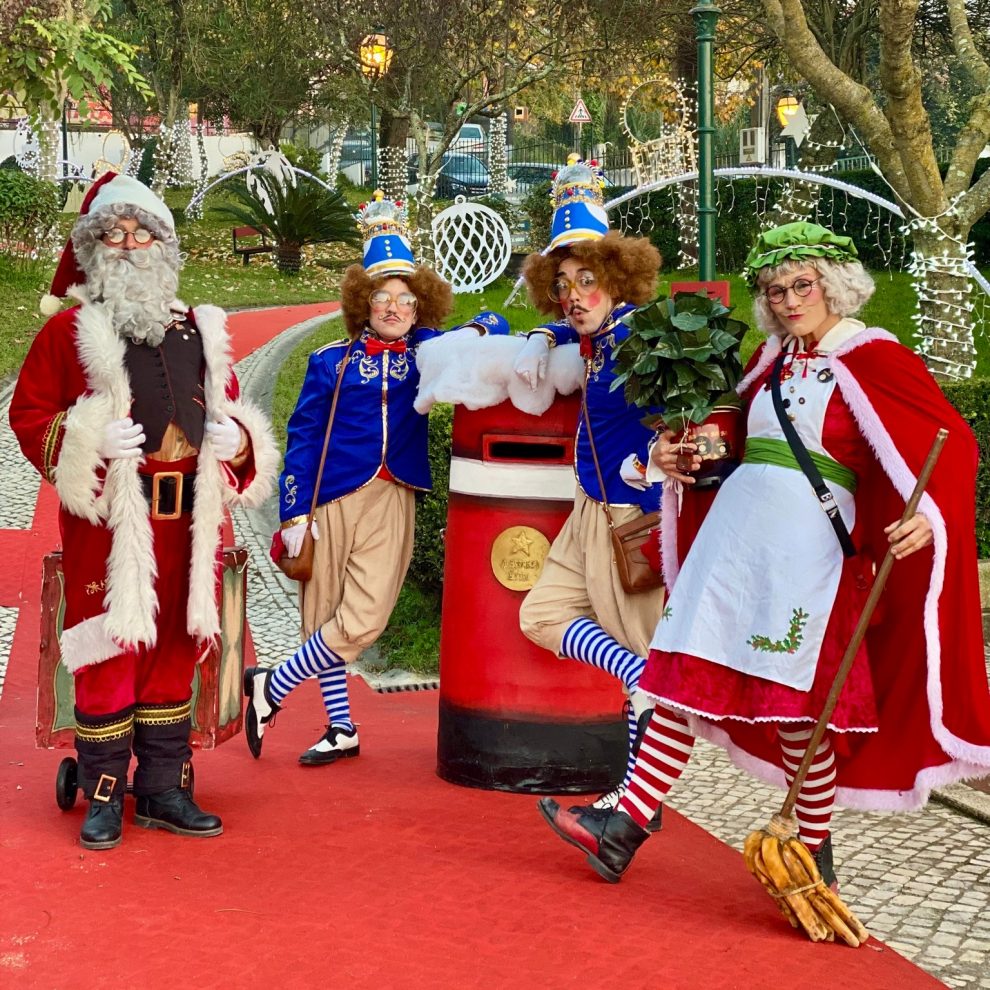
(241, 234)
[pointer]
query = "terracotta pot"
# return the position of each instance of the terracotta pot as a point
(720, 439)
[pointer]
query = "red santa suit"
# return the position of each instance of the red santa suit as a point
(915, 713)
(141, 594)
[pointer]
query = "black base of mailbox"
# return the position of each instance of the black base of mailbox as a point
(477, 750)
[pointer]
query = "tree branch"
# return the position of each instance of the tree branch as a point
(962, 40)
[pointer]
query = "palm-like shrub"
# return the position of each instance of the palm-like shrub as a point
(293, 216)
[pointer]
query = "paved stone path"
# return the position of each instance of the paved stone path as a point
(920, 882)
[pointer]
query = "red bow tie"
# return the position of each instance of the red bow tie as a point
(587, 347)
(373, 346)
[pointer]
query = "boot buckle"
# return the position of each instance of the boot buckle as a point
(185, 776)
(104, 788)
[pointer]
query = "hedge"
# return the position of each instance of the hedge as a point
(29, 210)
(972, 399)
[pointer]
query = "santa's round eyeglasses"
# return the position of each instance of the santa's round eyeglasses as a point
(117, 235)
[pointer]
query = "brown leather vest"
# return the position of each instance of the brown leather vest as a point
(167, 386)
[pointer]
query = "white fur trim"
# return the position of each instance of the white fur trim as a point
(86, 643)
(477, 372)
(767, 358)
(856, 798)
(127, 189)
(903, 480)
(49, 304)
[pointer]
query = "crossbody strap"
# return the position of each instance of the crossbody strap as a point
(594, 457)
(825, 497)
(326, 439)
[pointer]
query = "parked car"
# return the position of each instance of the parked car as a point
(460, 175)
(470, 138)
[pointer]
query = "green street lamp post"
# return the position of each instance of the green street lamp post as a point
(706, 17)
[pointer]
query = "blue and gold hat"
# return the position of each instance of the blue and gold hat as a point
(384, 227)
(578, 210)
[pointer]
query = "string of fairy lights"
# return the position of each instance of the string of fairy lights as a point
(392, 172)
(498, 159)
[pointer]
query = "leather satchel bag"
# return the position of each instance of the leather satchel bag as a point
(635, 572)
(300, 567)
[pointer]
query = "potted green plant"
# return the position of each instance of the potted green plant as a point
(682, 354)
(292, 216)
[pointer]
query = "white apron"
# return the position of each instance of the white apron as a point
(757, 588)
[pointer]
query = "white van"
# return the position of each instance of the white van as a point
(470, 138)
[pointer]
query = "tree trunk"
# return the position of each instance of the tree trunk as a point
(288, 258)
(392, 156)
(945, 308)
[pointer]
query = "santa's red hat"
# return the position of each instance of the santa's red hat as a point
(108, 190)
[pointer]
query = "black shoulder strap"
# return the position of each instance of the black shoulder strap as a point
(824, 493)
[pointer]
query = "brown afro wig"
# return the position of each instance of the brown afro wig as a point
(434, 298)
(626, 267)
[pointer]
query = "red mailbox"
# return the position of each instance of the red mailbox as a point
(512, 715)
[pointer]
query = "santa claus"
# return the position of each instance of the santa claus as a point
(128, 403)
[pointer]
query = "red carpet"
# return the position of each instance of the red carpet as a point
(370, 873)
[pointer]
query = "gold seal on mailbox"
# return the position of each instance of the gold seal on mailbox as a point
(517, 557)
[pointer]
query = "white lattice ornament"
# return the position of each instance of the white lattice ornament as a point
(472, 244)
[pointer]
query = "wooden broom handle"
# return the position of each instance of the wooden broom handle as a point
(859, 632)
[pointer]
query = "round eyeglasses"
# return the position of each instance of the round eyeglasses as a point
(801, 287)
(560, 288)
(380, 299)
(117, 235)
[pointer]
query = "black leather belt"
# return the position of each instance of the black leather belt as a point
(169, 493)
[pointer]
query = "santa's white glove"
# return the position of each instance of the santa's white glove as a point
(225, 438)
(292, 538)
(122, 438)
(630, 473)
(531, 365)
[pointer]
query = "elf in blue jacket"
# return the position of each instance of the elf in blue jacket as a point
(376, 461)
(590, 278)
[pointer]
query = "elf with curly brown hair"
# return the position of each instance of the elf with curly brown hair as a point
(376, 461)
(591, 278)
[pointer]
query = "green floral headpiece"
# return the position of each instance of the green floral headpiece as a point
(796, 240)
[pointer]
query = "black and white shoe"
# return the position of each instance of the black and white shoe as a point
(261, 710)
(335, 744)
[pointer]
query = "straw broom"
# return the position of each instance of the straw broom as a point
(775, 855)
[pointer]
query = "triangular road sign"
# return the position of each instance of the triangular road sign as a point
(580, 115)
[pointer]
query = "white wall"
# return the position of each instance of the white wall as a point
(86, 147)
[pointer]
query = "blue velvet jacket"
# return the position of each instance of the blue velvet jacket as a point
(615, 424)
(375, 424)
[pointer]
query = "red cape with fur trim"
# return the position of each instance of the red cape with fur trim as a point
(925, 643)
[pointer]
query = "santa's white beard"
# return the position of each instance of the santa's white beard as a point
(137, 286)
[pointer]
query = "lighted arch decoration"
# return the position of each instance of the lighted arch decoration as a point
(968, 267)
(197, 201)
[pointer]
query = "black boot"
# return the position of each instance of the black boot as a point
(175, 811)
(162, 777)
(104, 823)
(103, 744)
(610, 842)
(825, 863)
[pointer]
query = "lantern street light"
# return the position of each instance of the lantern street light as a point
(787, 107)
(376, 56)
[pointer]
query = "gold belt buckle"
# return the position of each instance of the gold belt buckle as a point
(156, 480)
